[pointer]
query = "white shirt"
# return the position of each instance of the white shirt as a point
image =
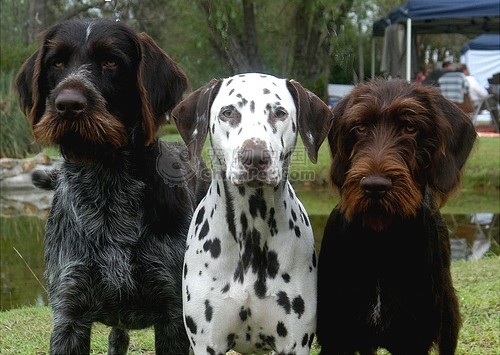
(476, 91)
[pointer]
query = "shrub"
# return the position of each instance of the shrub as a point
(16, 139)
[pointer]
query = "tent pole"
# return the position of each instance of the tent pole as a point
(408, 49)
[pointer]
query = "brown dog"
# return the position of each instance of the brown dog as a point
(384, 267)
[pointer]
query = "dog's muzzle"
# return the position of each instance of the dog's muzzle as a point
(254, 164)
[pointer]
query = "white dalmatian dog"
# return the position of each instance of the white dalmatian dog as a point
(249, 278)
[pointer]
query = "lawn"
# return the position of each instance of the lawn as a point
(27, 330)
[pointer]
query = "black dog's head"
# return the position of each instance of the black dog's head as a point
(95, 86)
(392, 141)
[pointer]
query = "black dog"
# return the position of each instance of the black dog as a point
(115, 236)
(384, 265)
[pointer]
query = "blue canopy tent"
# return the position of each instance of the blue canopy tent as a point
(445, 16)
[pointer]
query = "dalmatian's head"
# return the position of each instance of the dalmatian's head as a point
(253, 120)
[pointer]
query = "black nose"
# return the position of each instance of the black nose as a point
(255, 155)
(69, 103)
(375, 186)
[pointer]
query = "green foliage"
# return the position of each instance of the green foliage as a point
(16, 140)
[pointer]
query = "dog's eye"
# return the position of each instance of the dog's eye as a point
(280, 113)
(410, 129)
(360, 129)
(59, 64)
(108, 64)
(230, 114)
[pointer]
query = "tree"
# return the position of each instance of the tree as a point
(286, 38)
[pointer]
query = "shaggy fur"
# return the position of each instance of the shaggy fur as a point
(123, 201)
(384, 266)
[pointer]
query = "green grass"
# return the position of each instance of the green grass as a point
(27, 330)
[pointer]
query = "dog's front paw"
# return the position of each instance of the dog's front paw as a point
(45, 179)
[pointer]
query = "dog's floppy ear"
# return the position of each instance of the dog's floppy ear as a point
(32, 93)
(155, 66)
(338, 144)
(314, 118)
(458, 143)
(192, 115)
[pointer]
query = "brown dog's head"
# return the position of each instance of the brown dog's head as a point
(97, 85)
(390, 141)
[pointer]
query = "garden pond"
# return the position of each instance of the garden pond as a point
(22, 224)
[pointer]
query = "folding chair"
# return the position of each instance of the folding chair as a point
(484, 104)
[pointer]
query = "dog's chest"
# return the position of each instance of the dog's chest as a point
(251, 242)
(101, 207)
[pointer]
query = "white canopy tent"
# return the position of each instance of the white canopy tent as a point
(482, 56)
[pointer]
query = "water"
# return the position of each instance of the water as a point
(21, 272)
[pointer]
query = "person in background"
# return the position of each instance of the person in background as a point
(476, 91)
(434, 74)
(480, 96)
(453, 84)
(422, 75)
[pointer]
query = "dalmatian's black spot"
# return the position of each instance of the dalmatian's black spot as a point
(188, 294)
(239, 132)
(277, 96)
(273, 264)
(218, 190)
(244, 222)
(204, 230)
(209, 311)
(286, 277)
(200, 215)
(314, 260)
(252, 106)
(211, 351)
(267, 339)
(291, 193)
(231, 92)
(229, 82)
(185, 270)
(226, 288)
(281, 329)
(213, 246)
(266, 91)
(290, 224)
(298, 306)
(294, 127)
(238, 273)
(212, 212)
(305, 218)
(305, 340)
(297, 231)
(191, 324)
(213, 128)
(227, 134)
(229, 208)
(241, 190)
(230, 340)
(257, 203)
(284, 301)
(294, 215)
(271, 222)
(244, 314)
